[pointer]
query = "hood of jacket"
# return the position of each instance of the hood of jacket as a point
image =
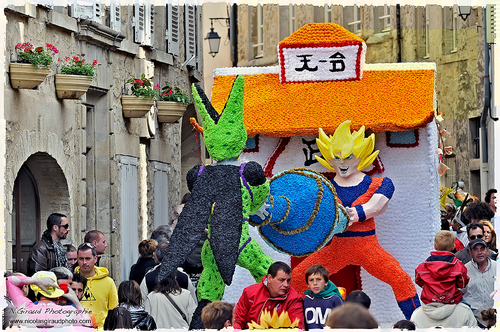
(441, 264)
(100, 272)
(438, 311)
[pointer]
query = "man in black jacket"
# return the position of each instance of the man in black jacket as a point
(49, 252)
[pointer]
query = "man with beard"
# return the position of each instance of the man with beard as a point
(49, 252)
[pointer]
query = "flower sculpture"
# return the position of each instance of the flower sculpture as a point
(364, 197)
(222, 197)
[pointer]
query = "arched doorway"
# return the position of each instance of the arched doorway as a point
(25, 218)
(40, 189)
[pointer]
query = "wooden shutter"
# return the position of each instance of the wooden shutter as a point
(190, 24)
(172, 33)
(115, 22)
(87, 10)
(139, 23)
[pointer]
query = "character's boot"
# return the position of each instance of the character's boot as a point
(196, 322)
(409, 305)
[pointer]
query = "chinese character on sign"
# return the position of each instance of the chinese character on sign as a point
(305, 60)
(337, 60)
(309, 152)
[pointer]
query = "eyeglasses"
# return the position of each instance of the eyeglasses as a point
(473, 237)
(65, 226)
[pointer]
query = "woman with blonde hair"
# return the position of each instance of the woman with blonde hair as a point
(490, 237)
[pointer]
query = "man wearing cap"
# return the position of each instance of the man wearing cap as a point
(100, 294)
(47, 313)
(481, 271)
(474, 231)
(49, 252)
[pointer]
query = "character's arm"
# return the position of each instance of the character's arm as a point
(192, 176)
(258, 184)
(16, 294)
(375, 206)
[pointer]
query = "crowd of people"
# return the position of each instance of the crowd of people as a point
(66, 286)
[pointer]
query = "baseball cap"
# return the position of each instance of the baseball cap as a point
(475, 242)
(54, 292)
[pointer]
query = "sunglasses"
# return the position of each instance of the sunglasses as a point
(473, 237)
(64, 226)
(86, 244)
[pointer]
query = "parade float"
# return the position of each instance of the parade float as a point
(321, 81)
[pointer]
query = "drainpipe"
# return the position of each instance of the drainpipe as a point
(398, 28)
(234, 34)
(487, 105)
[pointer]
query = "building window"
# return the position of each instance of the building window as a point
(386, 18)
(291, 18)
(257, 28)
(450, 15)
(450, 177)
(355, 24)
(328, 14)
(474, 126)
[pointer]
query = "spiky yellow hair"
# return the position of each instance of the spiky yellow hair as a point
(273, 322)
(342, 144)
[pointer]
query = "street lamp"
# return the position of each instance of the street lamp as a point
(464, 11)
(213, 37)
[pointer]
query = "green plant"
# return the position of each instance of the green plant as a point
(171, 93)
(142, 87)
(77, 66)
(37, 56)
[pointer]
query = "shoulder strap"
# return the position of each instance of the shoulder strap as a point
(176, 307)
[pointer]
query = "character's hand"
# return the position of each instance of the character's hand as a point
(262, 212)
(43, 283)
(71, 295)
(353, 215)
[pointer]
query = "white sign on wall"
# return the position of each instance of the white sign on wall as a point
(315, 64)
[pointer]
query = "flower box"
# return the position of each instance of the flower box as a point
(135, 107)
(26, 76)
(72, 86)
(170, 111)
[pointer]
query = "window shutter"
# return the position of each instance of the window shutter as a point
(97, 12)
(115, 22)
(138, 24)
(172, 33)
(83, 10)
(149, 28)
(190, 23)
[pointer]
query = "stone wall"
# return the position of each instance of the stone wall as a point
(75, 145)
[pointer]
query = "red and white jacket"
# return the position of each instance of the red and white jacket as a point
(256, 298)
(441, 276)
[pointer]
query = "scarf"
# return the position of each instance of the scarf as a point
(61, 258)
(330, 289)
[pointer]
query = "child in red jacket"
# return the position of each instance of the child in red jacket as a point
(442, 274)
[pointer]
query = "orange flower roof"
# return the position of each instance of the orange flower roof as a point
(383, 100)
(320, 33)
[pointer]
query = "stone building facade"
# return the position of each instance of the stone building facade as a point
(82, 157)
(432, 33)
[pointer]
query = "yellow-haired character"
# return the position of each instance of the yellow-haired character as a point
(347, 154)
